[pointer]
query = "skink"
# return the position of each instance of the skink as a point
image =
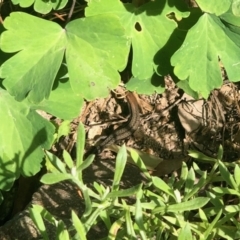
(124, 131)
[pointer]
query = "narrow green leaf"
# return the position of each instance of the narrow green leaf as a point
(86, 163)
(185, 233)
(139, 162)
(212, 225)
(161, 185)
(189, 181)
(129, 224)
(222, 190)
(227, 217)
(51, 178)
(67, 159)
(232, 208)
(88, 203)
(200, 156)
(80, 146)
(106, 218)
(100, 188)
(184, 206)
(120, 166)
(56, 162)
(139, 219)
(35, 214)
(237, 175)
(114, 228)
(227, 176)
(196, 188)
(183, 177)
(220, 153)
(45, 214)
(125, 193)
(216, 201)
(62, 233)
(79, 226)
(203, 216)
(92, 218)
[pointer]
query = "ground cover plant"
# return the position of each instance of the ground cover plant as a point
(189, 207)
(55, 55)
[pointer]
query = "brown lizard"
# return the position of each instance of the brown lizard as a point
(124, 131)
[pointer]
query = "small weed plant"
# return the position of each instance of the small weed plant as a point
(191, 206)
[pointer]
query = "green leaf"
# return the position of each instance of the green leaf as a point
(212, 224)
(229, 17)
(217, 202)
(216, 7)
(112, 234)
(183, 177)
(185, 233)
(139, 162)
(222, 190)
(129, 224)
(86, 163)
(237, 175)
(152, 85)
(23, 3)
(64, 129)
(183, 206)
(139, 25)
(43, 7)
(189, 181)
(203, 216)
(227, 176)
(35, 213)
(139, 218)
(125, 193)
(55, 163)
(42, 55)
(97, 49)
(236, 7)
(232, 208)
(90, 49)
(220, 153)
(200, 156)
(197, 187)
(51, 178)
(62, 103)
(80, 147)
(106, 219)
(61, 232)
(207, 41)
(87, 201)
(184, 85)
(79, 226)
(120, 166)
(23, 134)
(161, 185)
(68, 159)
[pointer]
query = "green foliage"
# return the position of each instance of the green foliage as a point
(41, 6)
(186, 208)
(23, 135)
(52, 67)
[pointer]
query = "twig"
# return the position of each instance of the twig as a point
(71, 12)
